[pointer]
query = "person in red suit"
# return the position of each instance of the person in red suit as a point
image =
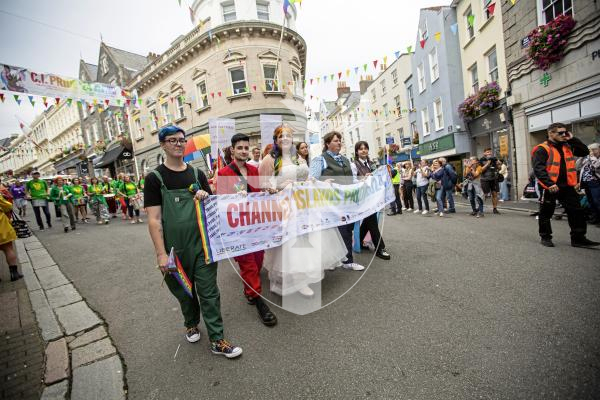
(242, 178)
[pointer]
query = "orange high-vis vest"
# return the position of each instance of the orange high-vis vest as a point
(553, 163)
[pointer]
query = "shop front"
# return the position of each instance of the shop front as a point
(454, 147)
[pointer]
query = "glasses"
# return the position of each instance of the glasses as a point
(562, 133)
(174, 141)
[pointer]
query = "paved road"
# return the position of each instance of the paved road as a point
(466, 309)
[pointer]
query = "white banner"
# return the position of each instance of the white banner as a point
(242, 224)
(221, 130)
(22, 80)
(268, 123)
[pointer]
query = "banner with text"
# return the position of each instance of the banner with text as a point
(242, 224)
(23, 80)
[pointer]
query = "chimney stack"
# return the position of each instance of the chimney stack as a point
(364, 83)
(342, 88)
(151, 57)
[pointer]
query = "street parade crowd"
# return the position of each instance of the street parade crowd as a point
(169, 195)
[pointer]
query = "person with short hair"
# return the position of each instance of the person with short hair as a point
(62, 196)
(555, 169)
(331, 166)
(472, 186)
(589, 180)
(37, 191)
(19, 194)
(448, 180)
(255, 160)
(170, 194)
(490, 168)
(422, 174)
(242, 178)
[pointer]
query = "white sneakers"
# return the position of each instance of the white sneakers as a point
(192, 335)
(416, 212)
(441, 214)
(425, 212)
(353, 266)
(306, 291)
(404, 208)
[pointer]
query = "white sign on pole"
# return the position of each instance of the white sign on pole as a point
(221, 130)
(268, 123)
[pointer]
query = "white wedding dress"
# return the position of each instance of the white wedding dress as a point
(301, 261)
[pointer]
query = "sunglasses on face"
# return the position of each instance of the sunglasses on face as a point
(174, 141)
(562, 133)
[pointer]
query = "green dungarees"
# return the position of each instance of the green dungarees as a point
(180, 230)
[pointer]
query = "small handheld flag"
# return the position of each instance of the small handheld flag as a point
(177, 272)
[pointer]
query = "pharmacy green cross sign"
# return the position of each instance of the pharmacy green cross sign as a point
(545, 79)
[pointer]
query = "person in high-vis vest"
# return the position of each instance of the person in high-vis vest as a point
(396, 205)
(170, 193)
(554, 167)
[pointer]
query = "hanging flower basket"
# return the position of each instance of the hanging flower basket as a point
(547, 43)
(486, 99)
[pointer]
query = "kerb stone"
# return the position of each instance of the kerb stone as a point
(44, 315)
(56, 392)
(88, 337)
(42, 262)
(31, 280)
(33, 246)
(93, 351)
(62, 295)
(77, 317)
(51, 277)
(99, 381)
(57, 362)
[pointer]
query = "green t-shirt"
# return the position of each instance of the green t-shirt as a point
(38, 189)
(61, 195)
(141, 183)
(129, 188)
(115, 185)
(77, 191)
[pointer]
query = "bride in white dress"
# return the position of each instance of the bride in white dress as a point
(300, 261)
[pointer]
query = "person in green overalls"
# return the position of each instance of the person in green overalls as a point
(172, 223)
(79, 201)
(98, 203)
(61, 195)
(129, 191)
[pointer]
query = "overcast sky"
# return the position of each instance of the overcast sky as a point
(49, 36)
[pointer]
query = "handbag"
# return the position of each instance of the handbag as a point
(500, 178)
(529, 191)
(20, 227)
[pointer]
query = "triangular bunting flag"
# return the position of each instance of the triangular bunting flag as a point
(57, 99)
(385, 61)
(119, 102)
(471, 20)
(311, 81)
(355, 70)
(365, 67)
(375, 64)
(409, 49)
(2, 97)
(422, 43)
(17, 99)
(318, 80)
(491, 8)
(331, 76)
(212, 94)
(347, 73)
(513, 2)
(128, 102)
(31, 101)
(324, 78)
(69, 101)
(254, 87)
(397, 54)
(437, 36)
(339, 75)
(219, 93)
(139, 102)
(454, 28)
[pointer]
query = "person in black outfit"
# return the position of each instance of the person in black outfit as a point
(554, 167)
(363, 167)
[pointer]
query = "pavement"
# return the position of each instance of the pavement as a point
(466, 309)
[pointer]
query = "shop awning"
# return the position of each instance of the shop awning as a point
(112, 155)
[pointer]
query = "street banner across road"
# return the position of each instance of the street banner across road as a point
(236, 224)
(23, 80)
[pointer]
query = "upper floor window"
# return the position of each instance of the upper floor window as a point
(153, 120)
(470, 23)
(270, 75)
(486, 12)
(425, 121)
(434, 70)
(228, 11)
(238, 80)
(411, 99)
(474, 78)
(383, 89)
(202, 94)
(164, 108)
(297, 83)
(397, 104)
(551, 9)
(138, 129)
(395, 77)
(421, 77)
(180, 106)
(120, 123)
(493, 65)
(109, 132)
(385, 110)
(438, 114)
(262, 10)
(423, 35)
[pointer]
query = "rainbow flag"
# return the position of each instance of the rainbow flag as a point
(177, 272)
(201, 218)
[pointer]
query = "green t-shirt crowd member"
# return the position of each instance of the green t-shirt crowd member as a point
(78, 193)
(61, 195)
(115, 184)
(129, 189)
(97, 192)
(38, 189)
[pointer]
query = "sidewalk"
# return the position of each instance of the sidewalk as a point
(54, 344)
(21, 346)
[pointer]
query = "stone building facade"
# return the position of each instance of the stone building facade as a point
(568, 92)
(226, 67)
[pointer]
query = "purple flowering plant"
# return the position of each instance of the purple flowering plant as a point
(547, 43)
(484, 100)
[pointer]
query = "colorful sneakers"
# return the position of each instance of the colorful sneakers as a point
(225, 348)
(192, 335)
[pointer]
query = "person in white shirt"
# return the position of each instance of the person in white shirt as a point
(423, 173)
(255, 161)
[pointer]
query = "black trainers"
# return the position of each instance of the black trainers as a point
(384, 255)
(585, 243)
(265, 314)
(225, 348)
(547, 242)
(496, 211)
(192, 334)
(250, 300)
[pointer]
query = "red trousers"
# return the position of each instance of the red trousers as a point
(250, 266)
